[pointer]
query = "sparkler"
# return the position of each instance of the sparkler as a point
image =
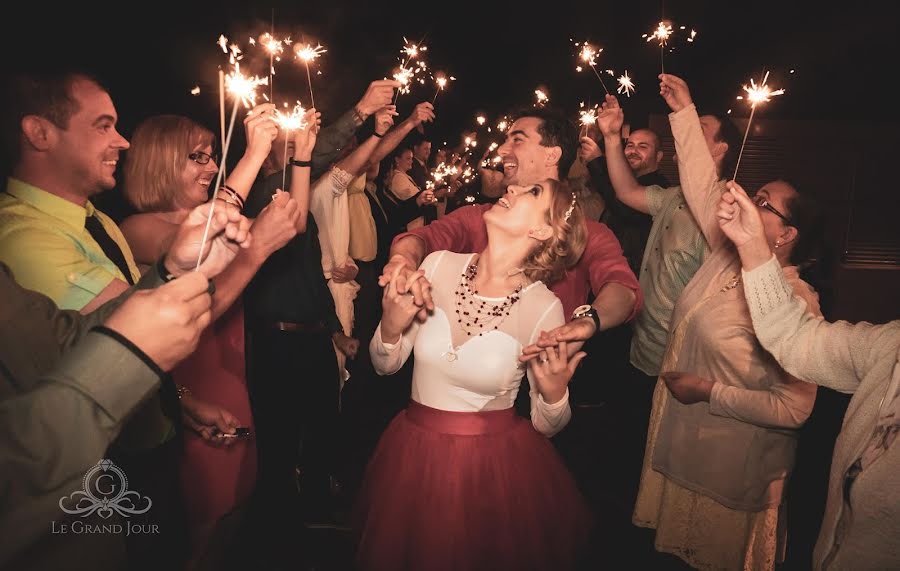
(243, 89)
(481, 119)
(289, 121)
(404, 75)
(588, 117)
(756, 94)
(306, 53)
(626, 85)
(274, 47)
(441, 81)
(588, 55)
(540, 98)
(662, 33)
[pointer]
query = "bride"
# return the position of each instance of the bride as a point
(458, 480)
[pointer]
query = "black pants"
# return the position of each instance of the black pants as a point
(293, 385)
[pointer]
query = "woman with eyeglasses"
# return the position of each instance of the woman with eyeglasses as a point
(862, 515)
(720, 452)
(168, 171)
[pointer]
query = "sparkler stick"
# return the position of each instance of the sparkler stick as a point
(589, 55)
(243, 90)
(661, 34)
(289, 121)
(307, 53)
(756, 94)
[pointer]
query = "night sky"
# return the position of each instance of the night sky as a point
(499, 52)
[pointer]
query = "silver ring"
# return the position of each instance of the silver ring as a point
(544, 359)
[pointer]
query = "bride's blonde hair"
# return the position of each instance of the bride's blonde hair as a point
(549, 260)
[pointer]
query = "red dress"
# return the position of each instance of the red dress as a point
(214, 480)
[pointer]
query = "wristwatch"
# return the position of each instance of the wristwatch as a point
(587, 311)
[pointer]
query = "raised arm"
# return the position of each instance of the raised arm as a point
(696, 168)
(358, 161)
(836, 355)
(628, 189)
(261, 130)
(423, 113)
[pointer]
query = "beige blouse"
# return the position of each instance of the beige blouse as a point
(739, 448)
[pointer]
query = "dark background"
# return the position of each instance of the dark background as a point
(151, 54)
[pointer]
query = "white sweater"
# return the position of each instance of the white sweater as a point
(861, 529)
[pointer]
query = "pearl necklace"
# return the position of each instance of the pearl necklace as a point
(476, 316)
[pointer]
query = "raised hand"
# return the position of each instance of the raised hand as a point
(675, 91)
(261, 130)
(610, 118)
(305, 138)
(379, 94)
(228, 232)
(384, 119)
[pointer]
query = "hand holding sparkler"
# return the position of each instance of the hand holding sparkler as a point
(305, 136)
(589, 150)
(380, 93)
(384, 119)
(675, 91)
(261, 130)
(611, 118)
(423, 113)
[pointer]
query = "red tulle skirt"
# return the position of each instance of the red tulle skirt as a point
(466, 491)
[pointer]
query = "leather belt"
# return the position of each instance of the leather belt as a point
(298, 327)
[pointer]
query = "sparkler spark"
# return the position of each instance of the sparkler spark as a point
(662, 33)
(761, 93)
(481, 119)
(291, 121)
(503, 125)
(307, 53)
(588, 117)
(626, 85)
(756, 94)
(242, 87)
(195, 90)
(540, 98)
(223, 43)
(588, 54)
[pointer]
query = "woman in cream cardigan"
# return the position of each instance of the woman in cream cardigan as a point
(861, 526)
(718, 458)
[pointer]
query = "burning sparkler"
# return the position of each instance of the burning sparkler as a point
(626, 85)
(756, 94)
(588, 55)
(662, 33)
(306, 53)
(540, 98)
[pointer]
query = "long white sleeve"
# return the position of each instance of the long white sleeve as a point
(836, 355)
(548, 419)
(387, 358)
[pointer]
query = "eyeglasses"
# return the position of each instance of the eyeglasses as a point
(763, 202)
(202, 158)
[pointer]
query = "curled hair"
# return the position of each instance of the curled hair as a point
(158, 155)
(549, 261)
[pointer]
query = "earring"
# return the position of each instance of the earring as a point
(777, 244)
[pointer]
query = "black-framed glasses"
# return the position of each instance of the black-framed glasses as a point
(202, 158)
(763, 202)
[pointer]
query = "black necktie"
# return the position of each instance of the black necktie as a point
(110, 248)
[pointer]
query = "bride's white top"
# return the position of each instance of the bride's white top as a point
(457, 372)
